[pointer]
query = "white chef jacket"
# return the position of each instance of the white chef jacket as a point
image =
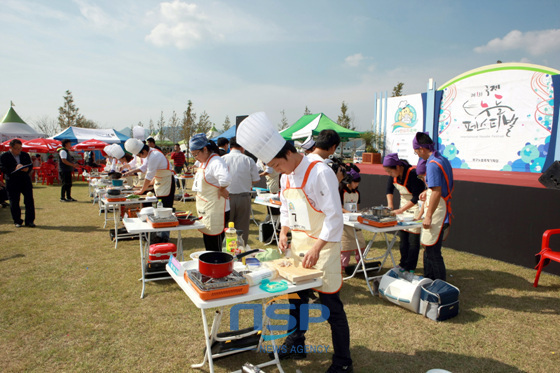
(322, 191)
(153, 162)
(243, 171)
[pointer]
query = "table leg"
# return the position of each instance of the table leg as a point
(179, 246)
(274, 222)
(209, 339)
(116, 224)
(389, 249)
(143, 237)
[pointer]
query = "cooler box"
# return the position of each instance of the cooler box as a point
(160, 251)
(402, 291)
(439, 300)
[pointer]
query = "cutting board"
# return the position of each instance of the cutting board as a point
(292, 273)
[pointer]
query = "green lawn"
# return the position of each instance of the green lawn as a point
(71, 302)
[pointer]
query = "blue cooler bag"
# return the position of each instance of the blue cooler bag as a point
(439, 300)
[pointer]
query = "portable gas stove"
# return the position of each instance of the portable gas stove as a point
(162, 222)
(213, 288)
(378, 216)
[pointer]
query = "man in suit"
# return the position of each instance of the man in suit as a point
(17, 166)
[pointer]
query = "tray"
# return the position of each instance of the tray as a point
(162, 223)
(116, 199)
(375, 223)
(217, 293)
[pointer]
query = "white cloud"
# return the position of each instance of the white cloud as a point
(354, 60)
(97, 17)
(182, 25)
(535, 42)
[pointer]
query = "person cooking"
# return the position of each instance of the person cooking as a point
(210, 184)
(403, 177)
(311, 209)
(158, 173)
(439, 179)
(350, 197)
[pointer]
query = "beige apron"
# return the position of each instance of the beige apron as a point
(163, 179)
(140, 176)
(306, 223)
(406, 197)
(348, 238)
(430, 236)
(209, 204)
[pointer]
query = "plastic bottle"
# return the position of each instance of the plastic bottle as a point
(159, 204)
(230, 241)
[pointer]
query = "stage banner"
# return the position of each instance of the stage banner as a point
(497, 118)
(404, 118)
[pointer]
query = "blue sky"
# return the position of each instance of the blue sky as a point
(125, 61)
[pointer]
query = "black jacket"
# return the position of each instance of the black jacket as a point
(8, 164)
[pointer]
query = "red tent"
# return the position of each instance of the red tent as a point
(92, 144)
(5, 146)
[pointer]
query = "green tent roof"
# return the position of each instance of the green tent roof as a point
(316, 123)
(12, 117)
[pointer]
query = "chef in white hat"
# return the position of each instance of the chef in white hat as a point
(308, 145)
(158, 173)
(312, 210)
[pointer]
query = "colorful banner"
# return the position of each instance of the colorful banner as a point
(497, 119)
(404, 118)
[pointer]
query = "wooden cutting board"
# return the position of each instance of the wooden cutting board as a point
(292, 273)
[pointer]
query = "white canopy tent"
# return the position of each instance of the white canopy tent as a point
(12, 126)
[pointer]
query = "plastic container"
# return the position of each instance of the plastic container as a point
(117, 182)
(256, 277)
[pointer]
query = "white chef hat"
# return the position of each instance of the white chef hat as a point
(117, 151)
(107, 150)
(309, 143)
(133, 146)
(257, 135)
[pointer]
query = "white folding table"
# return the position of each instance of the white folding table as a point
(182, 179)
(255, 293)
(361, 266)
(144, 229)
(116, 207)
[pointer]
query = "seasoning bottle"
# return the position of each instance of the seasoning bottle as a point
(229, 244)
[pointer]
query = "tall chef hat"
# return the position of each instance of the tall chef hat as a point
(117, 151)
(309, 143)
(258, 136)
(133, 146)
(107, 150)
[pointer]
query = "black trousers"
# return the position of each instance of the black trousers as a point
(15, 188)
(434, 266)
(66, 189)
(410, 248)
(214, 243)
(340, 332)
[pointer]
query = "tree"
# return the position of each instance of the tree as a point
(344, 119)
(374, 141)
(397, 90)
(227, 124)
(204, 124)
(161, 127)
(307, 111)
(47, 126)
(151, 127)
(188, 124)
(68, 113)
(283, 122)
(173, 128)
(86, 123)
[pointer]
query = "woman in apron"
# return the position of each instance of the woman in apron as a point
(403, 178)
(210, 183)
(350, 197)
(158, 173)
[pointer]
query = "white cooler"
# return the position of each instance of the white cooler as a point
(402, 291)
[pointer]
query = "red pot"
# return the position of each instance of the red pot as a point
(219, 264)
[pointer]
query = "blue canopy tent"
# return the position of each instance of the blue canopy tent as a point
(79, 134)
(227, 134)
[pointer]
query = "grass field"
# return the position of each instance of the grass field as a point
(70, 302)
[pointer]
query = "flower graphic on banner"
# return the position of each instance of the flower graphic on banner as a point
(405, 116)
(451, 153)
(531, 158)
(449, 95)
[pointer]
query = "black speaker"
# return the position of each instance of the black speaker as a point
(551, 177)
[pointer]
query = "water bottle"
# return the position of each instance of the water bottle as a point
(159, 204)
